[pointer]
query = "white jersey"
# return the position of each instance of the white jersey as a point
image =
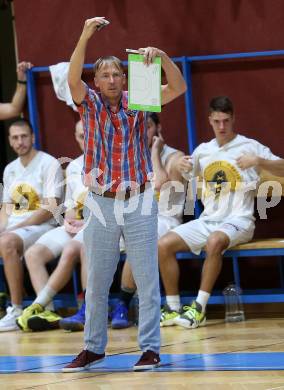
(227, 190)
(75, 189)
(26, 186)
(171, 202)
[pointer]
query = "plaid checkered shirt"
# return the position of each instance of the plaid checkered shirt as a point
(116, 152)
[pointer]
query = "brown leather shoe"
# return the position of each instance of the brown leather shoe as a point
(86, 359)
(148, 361)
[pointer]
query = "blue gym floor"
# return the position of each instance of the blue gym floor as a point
(169, 362)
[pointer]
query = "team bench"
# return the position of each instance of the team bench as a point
(257, 248)
(63, 299)
(271, 247)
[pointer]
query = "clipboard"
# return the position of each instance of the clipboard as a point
(144, 84)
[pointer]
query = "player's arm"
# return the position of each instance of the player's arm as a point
(71, 223)
(172, 166)
(275, 167)
(70, 215)
(176, 84)
(170, 170)
(3, 217)
(160, 174)
(184, 164)
(14, 108)
(76, 85)
(7, 205)
(42, 215)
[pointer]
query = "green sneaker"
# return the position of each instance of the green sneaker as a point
(192, 316)
(167, 316)
(29, 311)
(46, 320)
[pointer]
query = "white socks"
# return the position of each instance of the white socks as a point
(18, 307)
(45, 296)
(202, 298)
(173, 301)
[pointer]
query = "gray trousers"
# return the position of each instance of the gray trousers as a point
(107, 219)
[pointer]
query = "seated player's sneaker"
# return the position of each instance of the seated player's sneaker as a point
(147, 361)
(47, 320)
(86, 359)
(119, 316)
(192, 317)
(167, 316)
(8, 322)
(74, 323)
(22, 320)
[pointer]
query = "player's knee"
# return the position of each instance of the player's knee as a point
(8, 244)
(33, 256)
(70, 252)
(165, 246)
(215, 245)
(162, 247)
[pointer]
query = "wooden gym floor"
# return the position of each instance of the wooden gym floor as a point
(246, 355)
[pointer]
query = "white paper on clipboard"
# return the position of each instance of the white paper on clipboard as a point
(144, 84)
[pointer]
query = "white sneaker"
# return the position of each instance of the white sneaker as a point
(9, 321)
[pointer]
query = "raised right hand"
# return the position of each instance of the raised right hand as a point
(92, 25)
(22, 68)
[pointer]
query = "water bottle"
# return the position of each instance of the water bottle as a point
(233, 303)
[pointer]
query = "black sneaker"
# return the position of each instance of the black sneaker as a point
(86, 359)
(148, 361)
(46, 320)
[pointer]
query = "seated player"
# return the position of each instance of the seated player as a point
(229, 165)
(32, 189)
(64, 241)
